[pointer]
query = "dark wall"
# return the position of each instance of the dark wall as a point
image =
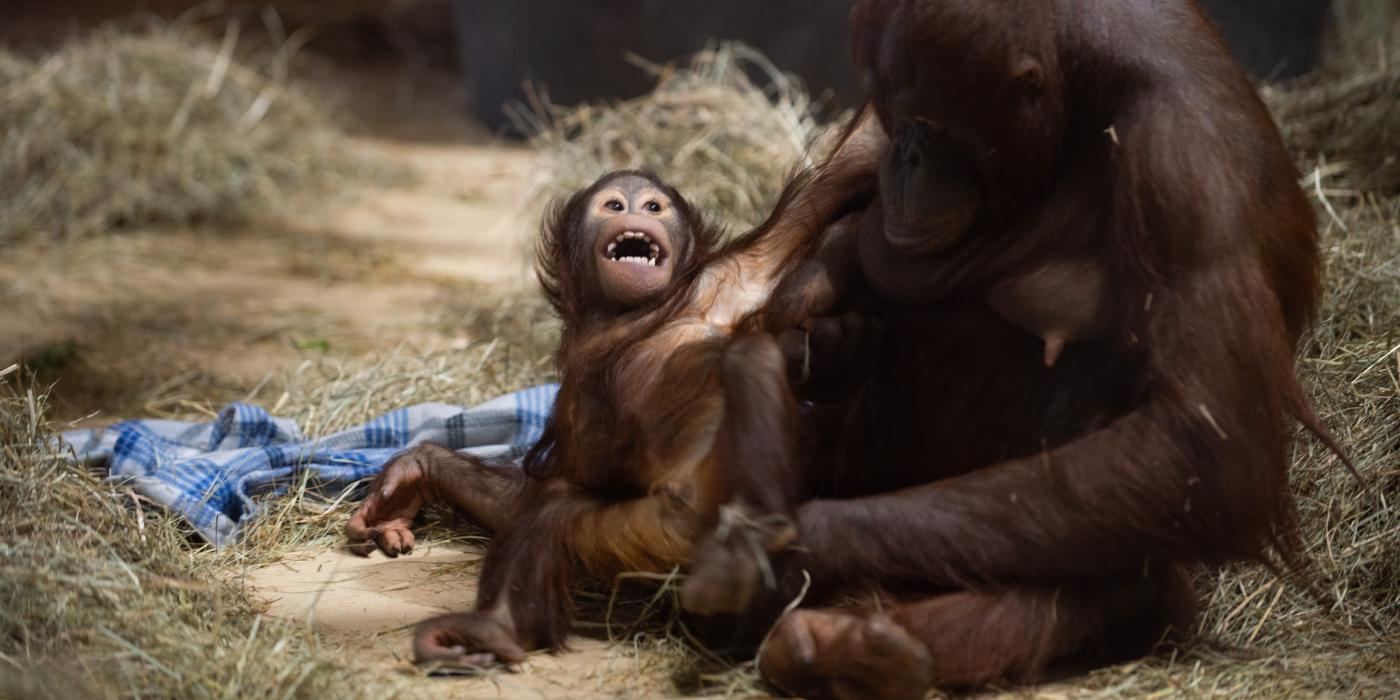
(577, 48)
(1273, 39)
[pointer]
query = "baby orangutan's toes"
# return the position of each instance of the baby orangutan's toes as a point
(822, 654)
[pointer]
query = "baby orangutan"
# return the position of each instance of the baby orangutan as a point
(674, 417)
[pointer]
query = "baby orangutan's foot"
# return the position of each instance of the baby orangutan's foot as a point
(465, 641)
(731, 564)
(822, 654)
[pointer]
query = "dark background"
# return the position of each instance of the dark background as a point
(577, 50)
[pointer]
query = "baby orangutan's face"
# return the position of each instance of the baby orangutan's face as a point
(637, 237)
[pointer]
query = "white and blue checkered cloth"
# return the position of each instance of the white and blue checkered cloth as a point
(210, 472)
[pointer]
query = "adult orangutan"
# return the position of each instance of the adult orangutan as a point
(1097, 264)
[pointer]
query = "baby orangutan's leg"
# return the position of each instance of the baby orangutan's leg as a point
(754, 474)
(525, 600)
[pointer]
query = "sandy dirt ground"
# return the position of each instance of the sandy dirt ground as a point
(366, 607)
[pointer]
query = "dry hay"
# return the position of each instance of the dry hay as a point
(90, 578)
(1349, 124)
(159, 125)
(726, 142)
(1346, 117)
(99, 598)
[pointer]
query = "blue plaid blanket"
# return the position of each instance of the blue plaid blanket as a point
(210, 472)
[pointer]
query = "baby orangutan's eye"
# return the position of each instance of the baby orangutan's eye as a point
(615, 205)
(653, 207)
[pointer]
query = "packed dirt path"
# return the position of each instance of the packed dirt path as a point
(160, 322)
(468, 220)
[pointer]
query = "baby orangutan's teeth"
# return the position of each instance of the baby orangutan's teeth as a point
(612, 247)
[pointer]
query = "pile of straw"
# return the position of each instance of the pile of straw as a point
(162, 125)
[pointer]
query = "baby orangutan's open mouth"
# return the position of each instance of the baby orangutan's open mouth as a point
(636, 259)
(636, 248)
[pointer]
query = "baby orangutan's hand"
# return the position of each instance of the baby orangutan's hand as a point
(385, 518)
